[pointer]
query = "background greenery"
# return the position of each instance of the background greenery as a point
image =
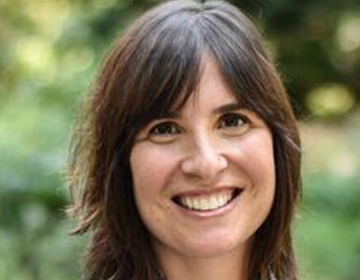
(49, 53)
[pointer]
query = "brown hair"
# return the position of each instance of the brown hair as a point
(157, 63)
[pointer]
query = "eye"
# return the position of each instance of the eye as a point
(164, 132)
(233, 123)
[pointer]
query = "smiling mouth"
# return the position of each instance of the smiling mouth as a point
(207, 202)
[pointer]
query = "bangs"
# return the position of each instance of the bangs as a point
(166, 63)
(171, 56)
(244, 64)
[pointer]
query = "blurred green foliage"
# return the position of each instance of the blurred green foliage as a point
(49, 53)
(328, 228)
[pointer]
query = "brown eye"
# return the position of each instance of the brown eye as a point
(233, 124)
(166, 129)
(232, 120)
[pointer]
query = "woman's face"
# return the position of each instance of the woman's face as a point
(204, 177)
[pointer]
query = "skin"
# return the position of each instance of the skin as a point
(211, 145)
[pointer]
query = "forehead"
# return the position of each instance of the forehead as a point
(211, 90)
(211, 79)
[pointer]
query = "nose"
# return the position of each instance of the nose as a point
(205, 161)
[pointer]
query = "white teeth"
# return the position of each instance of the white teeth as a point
(203, 204)
(196, 204)
(189, 202)
(214, 201)
(209, 202)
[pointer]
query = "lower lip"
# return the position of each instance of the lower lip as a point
(211, 213)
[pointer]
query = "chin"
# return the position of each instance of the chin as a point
(211, 246)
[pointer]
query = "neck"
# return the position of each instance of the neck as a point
(230, 266)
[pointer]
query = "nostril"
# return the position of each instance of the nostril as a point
(204, 165)
(222, 161)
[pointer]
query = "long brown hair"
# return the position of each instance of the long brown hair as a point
(156, 64)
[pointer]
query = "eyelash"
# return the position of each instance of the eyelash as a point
(170, 129)
(233, 116)
(173, 127)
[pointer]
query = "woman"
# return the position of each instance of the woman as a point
(186, 164)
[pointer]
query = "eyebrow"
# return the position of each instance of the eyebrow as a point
(228, 108)
(220, 110)
(169, 115)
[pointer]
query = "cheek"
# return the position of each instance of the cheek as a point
(261, 148)
(257, 160)
(151, 169)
